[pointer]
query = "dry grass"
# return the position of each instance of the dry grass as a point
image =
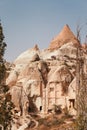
(54, 122)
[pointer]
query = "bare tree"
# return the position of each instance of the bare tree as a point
(81, 87)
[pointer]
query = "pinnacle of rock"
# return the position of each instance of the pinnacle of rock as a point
(36, 47)
(65, 36)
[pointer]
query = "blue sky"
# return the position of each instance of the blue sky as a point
(30, 22)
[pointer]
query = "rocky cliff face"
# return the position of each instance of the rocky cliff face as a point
(41, 79)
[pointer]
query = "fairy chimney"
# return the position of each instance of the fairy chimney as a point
(65, 36)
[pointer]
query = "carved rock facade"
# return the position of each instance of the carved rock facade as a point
(41, 79)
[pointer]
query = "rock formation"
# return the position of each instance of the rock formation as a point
(65, 36)
(41, 79)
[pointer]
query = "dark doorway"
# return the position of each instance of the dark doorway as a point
(40, 108)
(72, 103)
(32, 107)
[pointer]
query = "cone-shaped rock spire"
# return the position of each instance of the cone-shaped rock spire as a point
(65, 36)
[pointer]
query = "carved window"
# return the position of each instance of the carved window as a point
(51, 89)
(72, 103)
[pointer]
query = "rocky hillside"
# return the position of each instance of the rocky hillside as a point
(39, 80)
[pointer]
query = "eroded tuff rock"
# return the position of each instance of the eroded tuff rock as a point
(28, 56)
(12, 79)
(36, 72)
(68, 50)
(41, 79)
(65, 36)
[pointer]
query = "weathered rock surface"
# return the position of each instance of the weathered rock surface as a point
(65, 36)
(41, 79)
(35, 72)
(28, 55)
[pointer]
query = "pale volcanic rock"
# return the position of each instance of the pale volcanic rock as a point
(12, 78)
(33, 87)
(65, 36)
(72, 97)
(67, 49)
(31, 79)
(30, 82)
(16, 96)
(72, 89)
(45, 77)
(59, 79)
(26, 56)
(35, 58)
(47, 54)
(59, 74)
(43, 68)
(31, 71)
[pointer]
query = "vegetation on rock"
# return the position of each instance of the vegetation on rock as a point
(5, 98)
